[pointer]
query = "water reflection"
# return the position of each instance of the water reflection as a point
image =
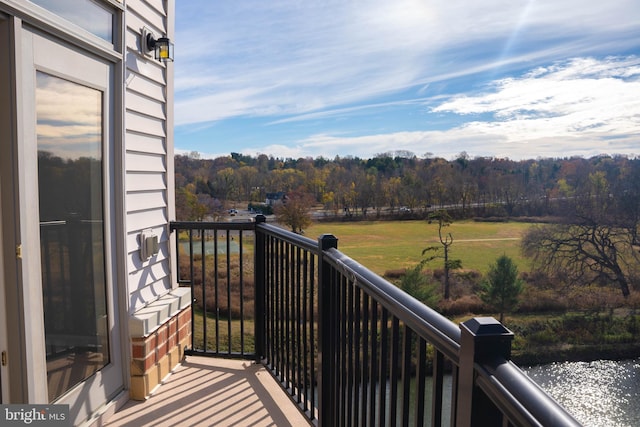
(600, 393)
(70, 196)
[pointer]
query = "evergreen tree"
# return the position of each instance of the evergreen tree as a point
(416, 284)
(502, 287)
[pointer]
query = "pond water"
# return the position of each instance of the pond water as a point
(601, 393)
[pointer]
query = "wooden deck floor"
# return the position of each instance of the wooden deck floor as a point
(205, 391)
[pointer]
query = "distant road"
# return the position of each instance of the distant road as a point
(487, 240)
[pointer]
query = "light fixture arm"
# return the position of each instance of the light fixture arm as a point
(150, 42)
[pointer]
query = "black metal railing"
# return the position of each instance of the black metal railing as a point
(350, 347)
(216, 260)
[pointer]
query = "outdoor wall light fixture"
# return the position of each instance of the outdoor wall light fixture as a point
(162, 47)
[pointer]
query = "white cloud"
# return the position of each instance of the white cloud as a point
(584, 100)
(578, 107)
(421, 142)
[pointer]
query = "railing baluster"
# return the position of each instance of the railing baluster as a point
(437, 388)
(215, 290)
(365, 357)
(241, 285)
(306, 384)
(228, 274)
(297, 321)
(406, 374)
(357, 368)
(341, 314)
(260, 296)
(191, 274)
(383, 365)
(351, 351)
(420, 382)
(313, 337)
(203, 279)
(286, 272)
(273, 312)
(281, 286)
(373, 366)
(394, 379)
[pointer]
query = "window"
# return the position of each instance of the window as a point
(85, 13)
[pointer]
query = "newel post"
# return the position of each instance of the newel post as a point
(326, 333)
(482, 339)
(259, 273)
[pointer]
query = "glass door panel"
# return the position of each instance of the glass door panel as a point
(70, 168)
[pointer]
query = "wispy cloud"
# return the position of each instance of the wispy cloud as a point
(578, 107)
(583, 100)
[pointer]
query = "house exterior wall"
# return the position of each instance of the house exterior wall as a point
(148, 146)
(160, 319)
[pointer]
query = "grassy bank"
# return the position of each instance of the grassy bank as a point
(572, 335)
(392, 245)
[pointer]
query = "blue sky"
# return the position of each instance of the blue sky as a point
(500, 78)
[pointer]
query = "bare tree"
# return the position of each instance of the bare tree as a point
(444, 220)
(587, 251)
(595, 242)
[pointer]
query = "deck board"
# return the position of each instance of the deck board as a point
(205, 391)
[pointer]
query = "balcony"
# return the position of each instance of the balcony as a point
(347, 347)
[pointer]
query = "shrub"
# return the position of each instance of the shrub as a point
(418, 285)
(468, 304)
(395, 274)
(535, 300)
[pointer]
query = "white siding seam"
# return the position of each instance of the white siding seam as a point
(147, 115)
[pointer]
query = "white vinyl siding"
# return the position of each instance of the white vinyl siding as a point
(146, 154)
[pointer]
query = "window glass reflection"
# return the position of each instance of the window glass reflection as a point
(69, 138)
(84, 13)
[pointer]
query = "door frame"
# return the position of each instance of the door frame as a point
(5, 104)
(44, 53)
(13, 377)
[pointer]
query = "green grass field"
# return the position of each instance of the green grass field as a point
(391, 245)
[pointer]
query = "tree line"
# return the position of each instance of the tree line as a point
(403, 184)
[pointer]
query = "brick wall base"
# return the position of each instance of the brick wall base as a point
(155, 355)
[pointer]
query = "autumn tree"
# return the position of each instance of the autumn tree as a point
(227, 183)
(295, 211)
(192, 206)
(502, 288)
